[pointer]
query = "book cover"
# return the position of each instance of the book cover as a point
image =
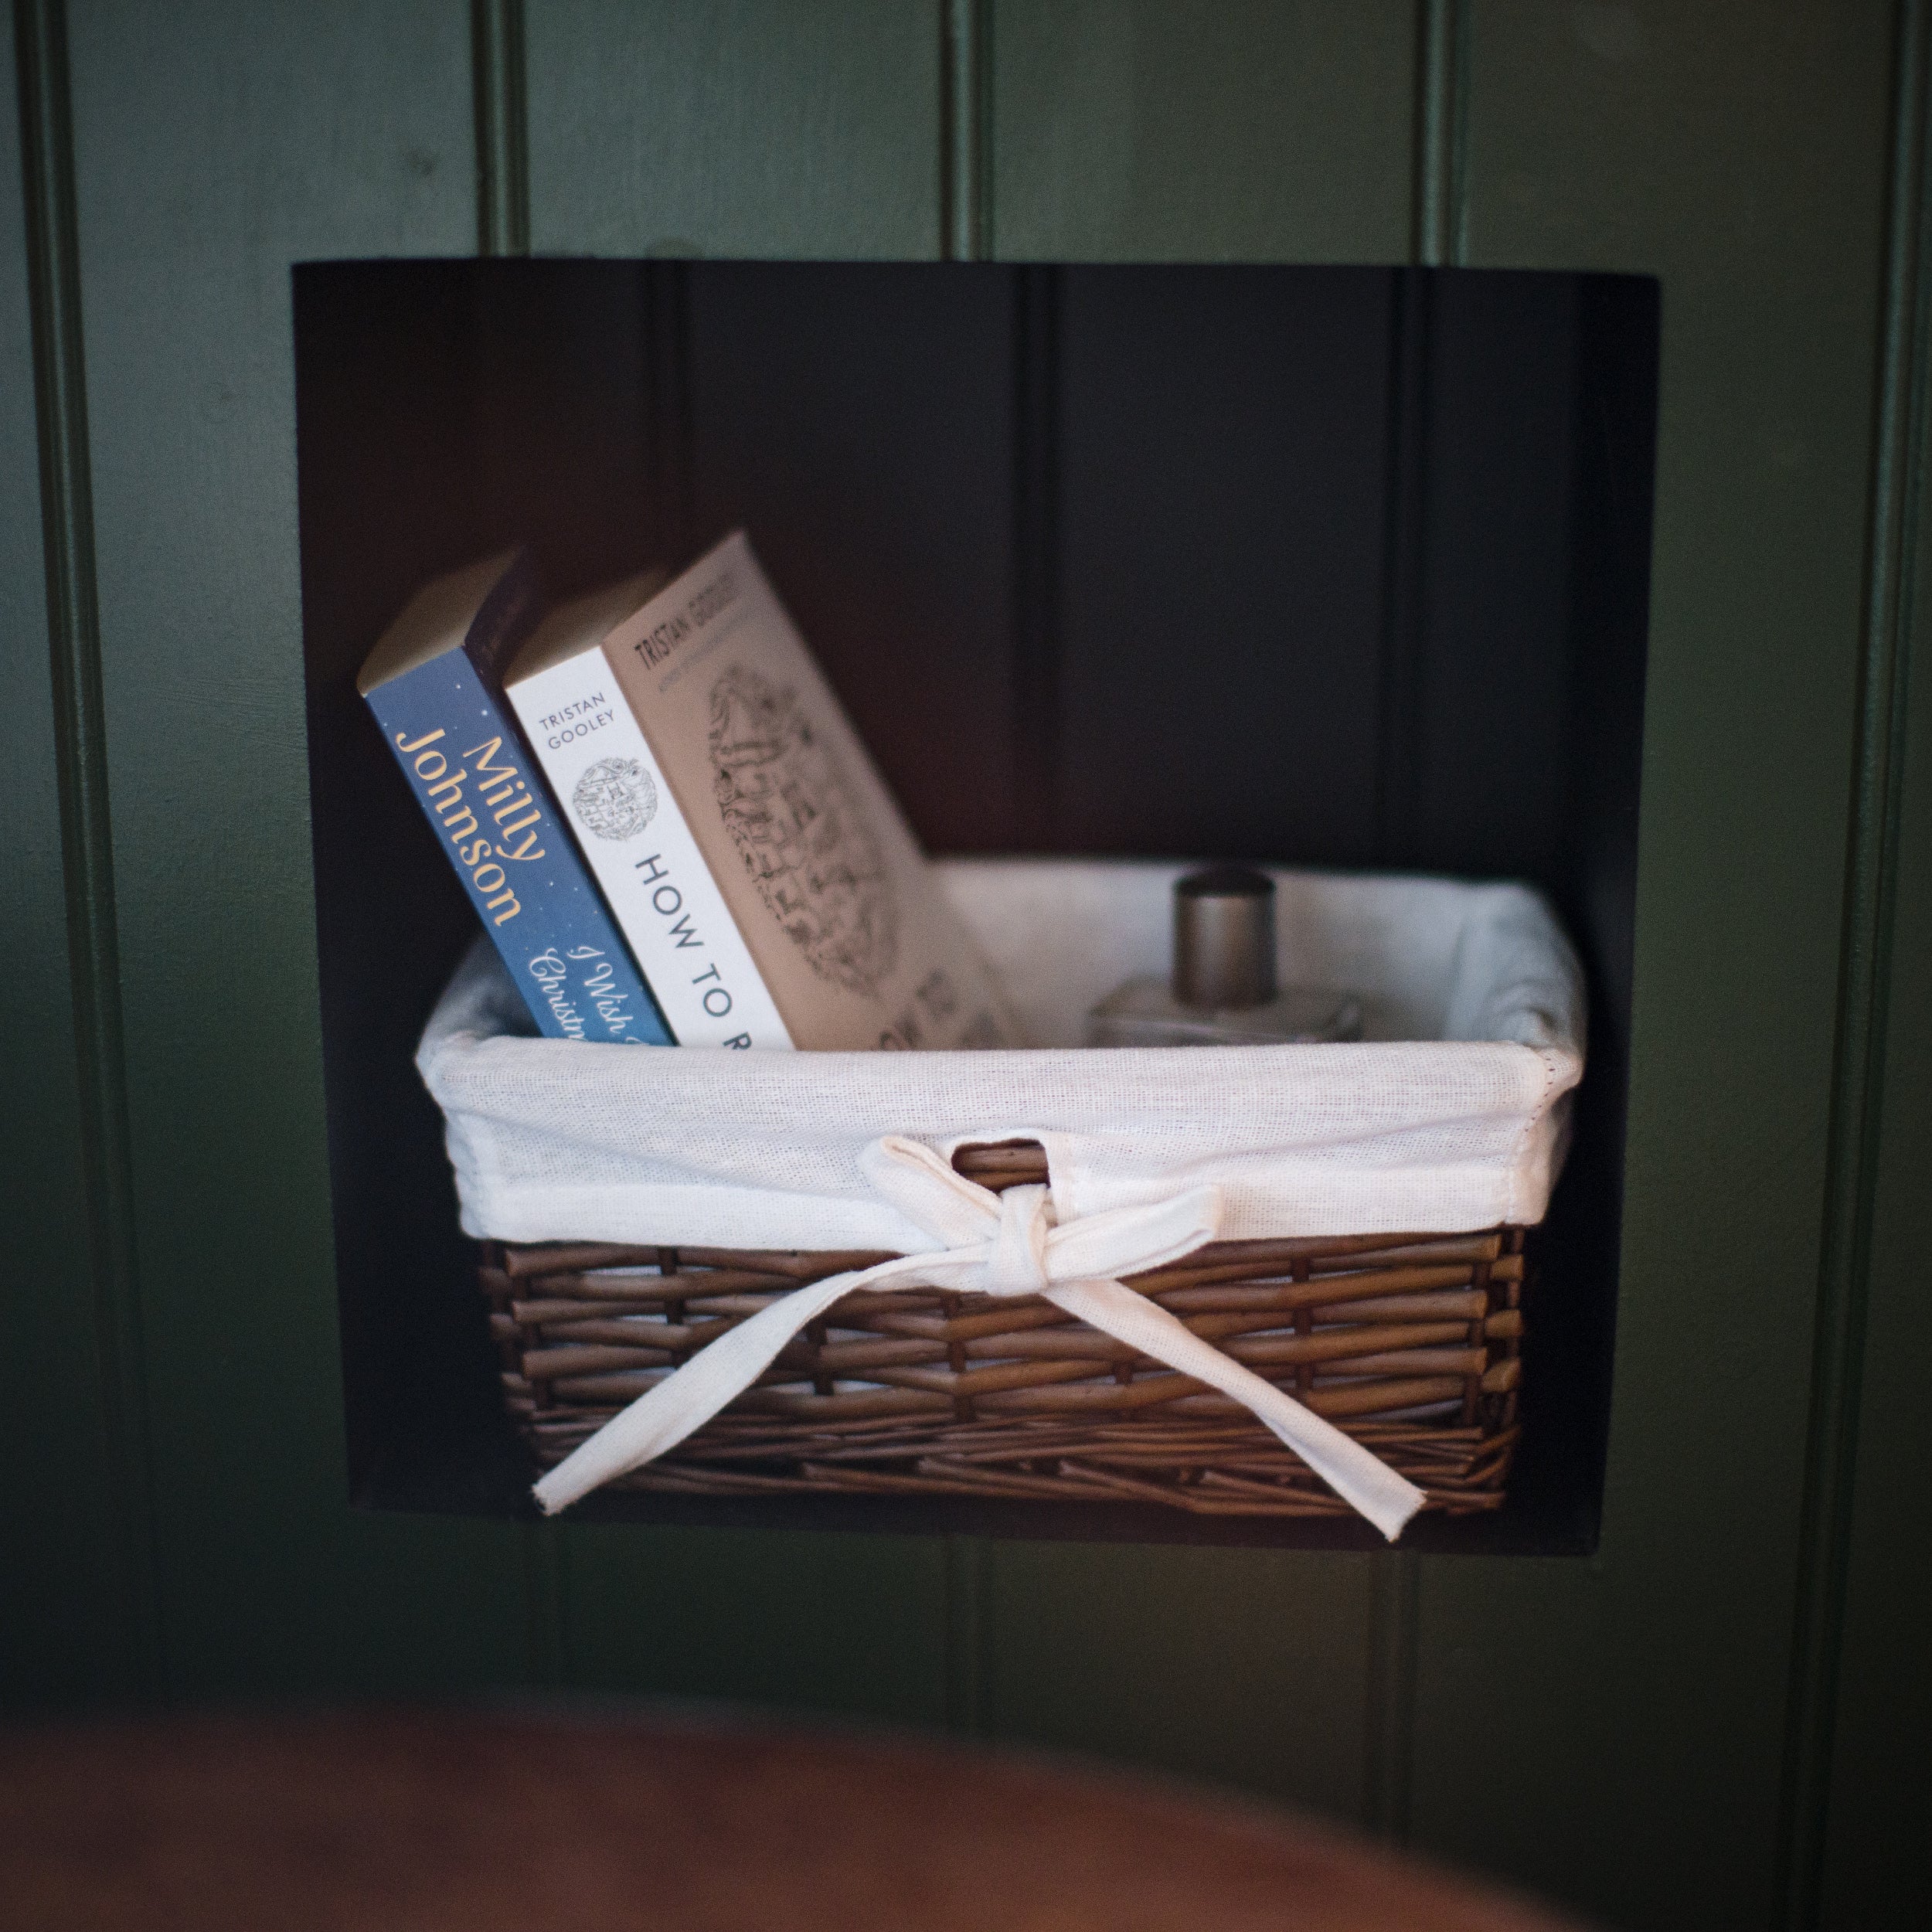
(747, 845)
(630, 829)
(431, 683)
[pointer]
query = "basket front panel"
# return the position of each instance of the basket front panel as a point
(1411, 1344)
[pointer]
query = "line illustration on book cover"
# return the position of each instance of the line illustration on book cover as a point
(616, 798)
(804, 838)
(773, 893)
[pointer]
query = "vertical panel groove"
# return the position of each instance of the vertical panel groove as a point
(672, 467)
(81, 762)
(544, 1587)
(1858, 1067)
(962, 105)
(1441, 132)
(500, 104)
(968, 1690)
(1439, 137)
(502, 128)
(965, 110)
(1395, 1588)
(1037, 669)
(1398, 699)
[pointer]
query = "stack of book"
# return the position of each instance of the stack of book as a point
(664, 819)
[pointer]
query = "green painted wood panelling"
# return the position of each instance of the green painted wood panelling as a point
(1248, 1667)
(497, 43)
(213, 148)
(804, 1619)
(1864, 1816)
(1440, 115)
(1832, 1474)
(1620, 1729)
(1632, 1709)
(965, 102)
(754, 127)
(1159, 132)
(74, 1586)
(1874, 1843)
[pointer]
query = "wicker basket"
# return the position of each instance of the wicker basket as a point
(1410, 1342)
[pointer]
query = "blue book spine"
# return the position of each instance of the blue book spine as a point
(466, 765)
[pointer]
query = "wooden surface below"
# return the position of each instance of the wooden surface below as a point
(428, 1821)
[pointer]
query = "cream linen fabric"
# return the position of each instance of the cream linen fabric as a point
(1450, 1116)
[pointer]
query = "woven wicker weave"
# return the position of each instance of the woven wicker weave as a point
(1410, 1342)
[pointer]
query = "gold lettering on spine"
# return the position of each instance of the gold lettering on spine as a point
(499, 783)
(505, 793)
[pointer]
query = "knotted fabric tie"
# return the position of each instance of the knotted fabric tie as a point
(997, 1244)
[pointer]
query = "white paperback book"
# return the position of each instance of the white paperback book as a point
(610, 787)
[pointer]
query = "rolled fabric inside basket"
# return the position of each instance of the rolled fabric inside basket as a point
(997, 1244)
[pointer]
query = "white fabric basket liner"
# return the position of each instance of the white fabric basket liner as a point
(1450, 1115)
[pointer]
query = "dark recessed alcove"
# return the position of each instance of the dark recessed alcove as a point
(1342, 567)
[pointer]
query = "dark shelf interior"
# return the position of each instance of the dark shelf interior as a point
(1338, 567)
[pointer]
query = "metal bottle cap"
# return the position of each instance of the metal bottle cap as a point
(1224, 937)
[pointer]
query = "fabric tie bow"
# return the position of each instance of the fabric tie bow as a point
(997, 1244)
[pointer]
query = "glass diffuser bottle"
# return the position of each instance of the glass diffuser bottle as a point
(1223, 992)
